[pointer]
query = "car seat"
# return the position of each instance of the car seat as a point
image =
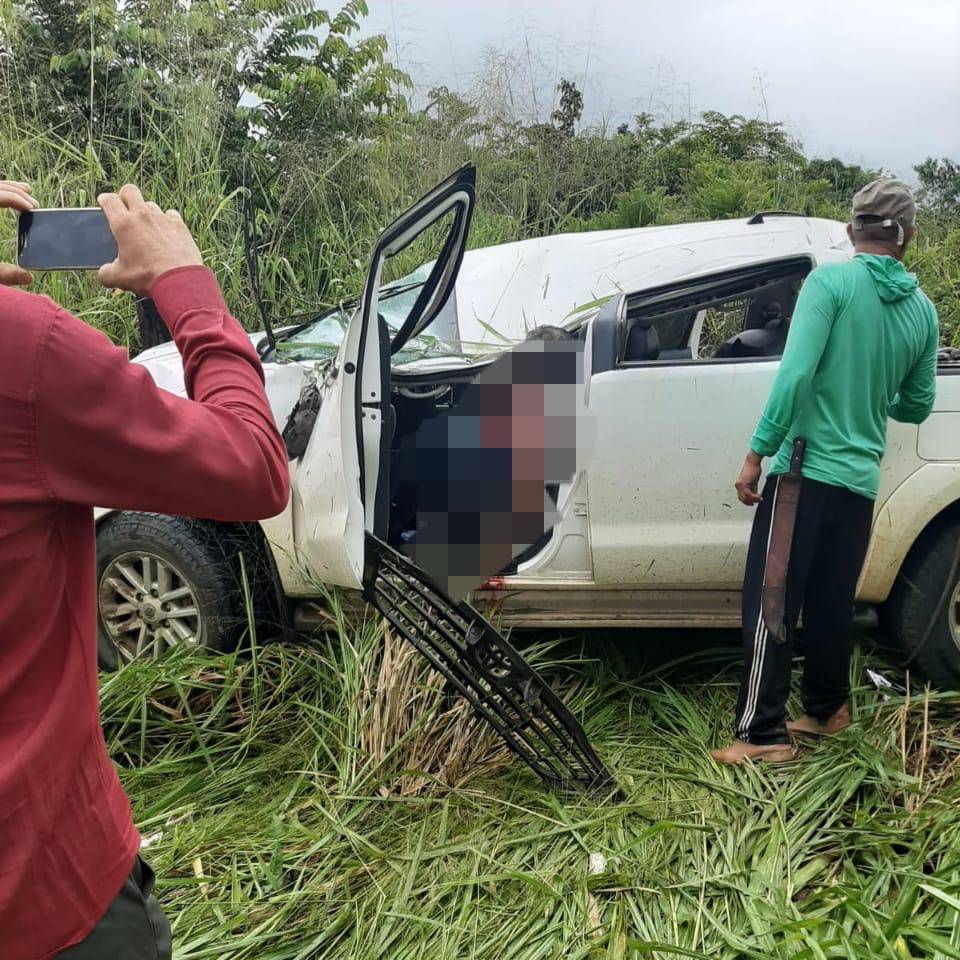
(643, 342)
(765, 341)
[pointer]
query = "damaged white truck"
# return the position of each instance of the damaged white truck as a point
(682, 328)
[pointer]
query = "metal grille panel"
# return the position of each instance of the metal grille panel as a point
(504, 690)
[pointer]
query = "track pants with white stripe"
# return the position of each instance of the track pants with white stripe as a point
(829, 544)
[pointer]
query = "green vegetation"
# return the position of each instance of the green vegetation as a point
(284, 824)
(326, 800)
(94, 94)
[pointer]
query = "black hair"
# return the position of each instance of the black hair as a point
(548, 332)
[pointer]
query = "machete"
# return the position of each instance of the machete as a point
(782, 523)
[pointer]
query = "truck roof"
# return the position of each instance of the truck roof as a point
(506, 290)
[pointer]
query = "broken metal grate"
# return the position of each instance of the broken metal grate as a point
(502, 687)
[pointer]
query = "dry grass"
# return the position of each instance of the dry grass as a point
(926, 727)
(416, 733)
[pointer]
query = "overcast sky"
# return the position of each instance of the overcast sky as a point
(872, 81)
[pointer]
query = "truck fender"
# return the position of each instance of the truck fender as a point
(278, 537)
(923, 496)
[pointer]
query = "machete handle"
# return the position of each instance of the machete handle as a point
(796, 458)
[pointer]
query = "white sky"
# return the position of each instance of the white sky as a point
(872, 81)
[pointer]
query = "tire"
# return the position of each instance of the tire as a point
(922, 617)
(199, 557)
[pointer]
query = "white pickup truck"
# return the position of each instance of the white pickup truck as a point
(682, 327)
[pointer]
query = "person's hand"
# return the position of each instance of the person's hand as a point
(149, 241)
(749, 480)
(15, 195)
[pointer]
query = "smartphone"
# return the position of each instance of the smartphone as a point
(67, 239)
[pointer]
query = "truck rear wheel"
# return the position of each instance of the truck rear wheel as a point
(167, 581)
(922, 616)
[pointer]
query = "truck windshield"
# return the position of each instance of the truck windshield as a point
(321, 337)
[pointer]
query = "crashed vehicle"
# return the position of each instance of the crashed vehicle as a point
(681, 329)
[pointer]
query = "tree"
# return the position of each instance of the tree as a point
(313, 88)
(111, 68)
(100, 66)
(845, 179)
(568, 114)
(939, 184)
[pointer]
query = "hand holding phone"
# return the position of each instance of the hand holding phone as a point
(149, 241)
(129, 241)
(15, 195)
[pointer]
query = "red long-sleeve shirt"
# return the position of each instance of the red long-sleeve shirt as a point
(81, 426)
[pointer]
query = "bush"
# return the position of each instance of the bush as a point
(95, 94)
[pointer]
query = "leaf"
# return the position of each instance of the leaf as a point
(951, 901)
(651, 946)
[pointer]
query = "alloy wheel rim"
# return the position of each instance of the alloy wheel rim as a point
(146, 605)
(953, 615)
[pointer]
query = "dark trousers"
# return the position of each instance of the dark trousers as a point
(829, 544)
(133, 928)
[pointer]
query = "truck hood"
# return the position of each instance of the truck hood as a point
(282, 380)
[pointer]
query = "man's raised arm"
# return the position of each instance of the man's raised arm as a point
(108, 436)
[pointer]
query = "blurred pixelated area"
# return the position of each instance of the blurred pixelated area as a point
(488, 471)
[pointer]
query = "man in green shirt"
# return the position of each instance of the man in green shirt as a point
(862, 348)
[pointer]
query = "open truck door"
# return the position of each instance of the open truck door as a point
(341, 509)
(341, 483)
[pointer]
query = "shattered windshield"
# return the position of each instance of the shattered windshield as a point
(321, 338)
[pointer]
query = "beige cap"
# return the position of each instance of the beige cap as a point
(888, 200)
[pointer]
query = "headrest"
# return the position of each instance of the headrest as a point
(772, 315)
(643, 342)
(758, 343)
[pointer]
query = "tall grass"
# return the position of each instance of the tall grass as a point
(278, 833)
(320, 206)
(318, 214)
(316, 223)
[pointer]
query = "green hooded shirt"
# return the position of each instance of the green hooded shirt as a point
(862, 347)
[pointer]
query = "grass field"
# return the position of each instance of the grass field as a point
(280, 797)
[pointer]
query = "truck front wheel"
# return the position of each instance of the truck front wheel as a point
(922, 616)
(167, 581)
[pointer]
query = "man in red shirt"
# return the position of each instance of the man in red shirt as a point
(79, 426)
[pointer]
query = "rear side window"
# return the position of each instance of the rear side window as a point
(738, 314)
(674, 331)
(720, 323)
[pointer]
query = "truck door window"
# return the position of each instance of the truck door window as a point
(721, 322)
(736, 315)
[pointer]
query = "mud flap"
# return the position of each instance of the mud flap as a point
(504, 690)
